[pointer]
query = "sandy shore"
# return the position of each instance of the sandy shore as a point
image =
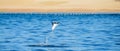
(60, 10)
(59, 6)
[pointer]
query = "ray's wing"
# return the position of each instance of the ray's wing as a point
(54, 25)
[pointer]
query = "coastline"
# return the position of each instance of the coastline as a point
(60, 10)
(60, 13)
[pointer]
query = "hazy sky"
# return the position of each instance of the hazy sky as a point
(109, 4)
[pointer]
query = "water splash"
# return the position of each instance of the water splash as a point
(54, 25)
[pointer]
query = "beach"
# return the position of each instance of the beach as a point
(60, 10)
(59, 6)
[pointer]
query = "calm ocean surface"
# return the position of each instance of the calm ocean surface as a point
(76, 32)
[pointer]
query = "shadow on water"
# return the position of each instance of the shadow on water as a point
(9, 50)
(54, 46)
(117, 44)
(39, 50)
(5, 41)
(69, 50)
(13, 50)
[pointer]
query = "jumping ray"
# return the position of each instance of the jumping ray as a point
(54, 25)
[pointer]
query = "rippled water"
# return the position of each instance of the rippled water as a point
(76, 32)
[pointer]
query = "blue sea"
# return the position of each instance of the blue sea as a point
(75, 32)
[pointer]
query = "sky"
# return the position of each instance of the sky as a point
(60, 4)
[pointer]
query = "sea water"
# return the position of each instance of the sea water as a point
(75, 32)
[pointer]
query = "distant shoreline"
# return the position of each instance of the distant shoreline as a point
(60, 13)
(60, 10)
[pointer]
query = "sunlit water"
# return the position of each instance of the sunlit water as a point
(75, 32)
